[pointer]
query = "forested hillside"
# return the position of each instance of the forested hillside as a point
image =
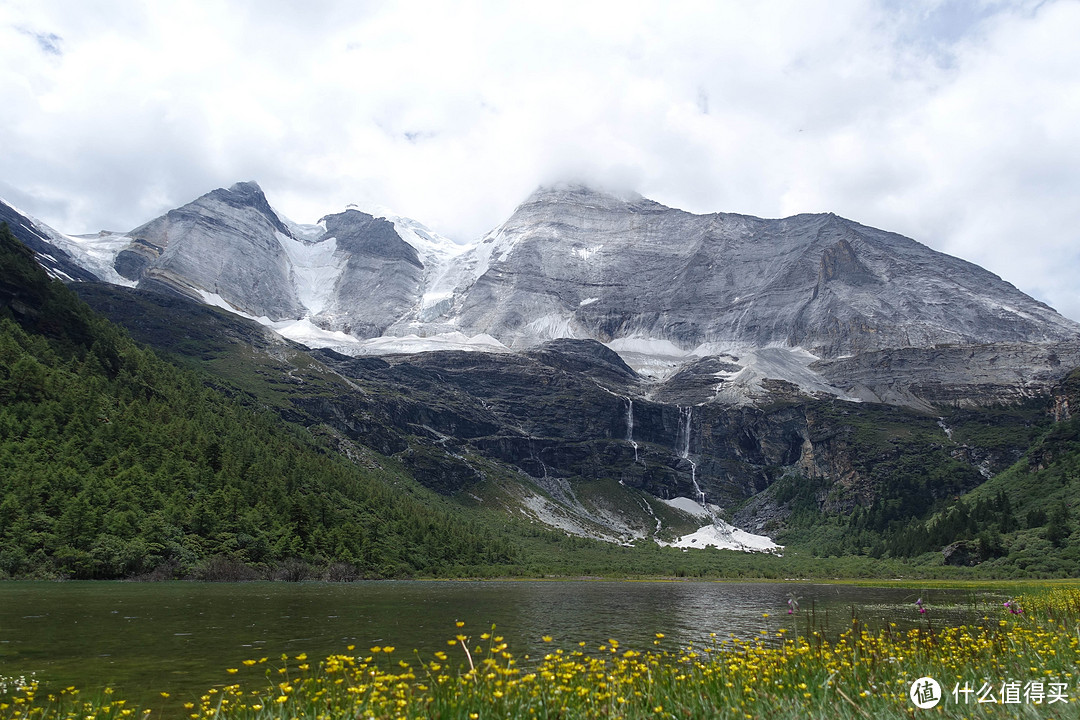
(115, 463)
(1023, 520)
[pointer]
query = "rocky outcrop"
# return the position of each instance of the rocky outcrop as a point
(573, 262)
(381, 278)
(1065, 397)
(224, 243)
(956, 375)
(968, 553)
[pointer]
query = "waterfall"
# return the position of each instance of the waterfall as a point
(630, 427)
(685, 416)
(946, 428)
(720, 530)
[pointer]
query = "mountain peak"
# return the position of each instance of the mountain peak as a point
(586, 261)
(247, 194)
(249, 187)
(572, 192)
(239, 194)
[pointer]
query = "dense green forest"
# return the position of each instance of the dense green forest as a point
(115, 463)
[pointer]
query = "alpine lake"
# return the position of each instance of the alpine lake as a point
(145, 639)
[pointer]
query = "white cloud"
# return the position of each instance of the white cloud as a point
(957, 123)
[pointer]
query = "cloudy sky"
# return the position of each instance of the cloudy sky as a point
(953, 122)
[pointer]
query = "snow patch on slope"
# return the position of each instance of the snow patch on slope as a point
(305, 332)
(408, 344)
(433, 299)
(302, 331)
(660, 359)
(217, 301)
(428, 244)
(653, 358)
(716, 533)
(551, 327)
(585, 253)
(726, 537)
(455, 275)
(791, 364)
(308, 333)
(95, 252)
(316, 268)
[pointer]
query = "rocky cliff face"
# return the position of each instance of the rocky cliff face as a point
(572, 262)
(960, 375)
(718, 308)
(350, 273)
(1066, 397)
(562, 416)
(224, 243)
(381, 278)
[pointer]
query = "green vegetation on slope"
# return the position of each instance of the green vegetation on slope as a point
(114, 463)
(1023, 520)
(932, 509)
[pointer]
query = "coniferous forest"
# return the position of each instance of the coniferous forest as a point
(115, 463)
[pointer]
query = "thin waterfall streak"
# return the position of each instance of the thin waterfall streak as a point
(686, 415)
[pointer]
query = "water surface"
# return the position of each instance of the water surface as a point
(145, 638)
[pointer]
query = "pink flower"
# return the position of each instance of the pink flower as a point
(1013, 606)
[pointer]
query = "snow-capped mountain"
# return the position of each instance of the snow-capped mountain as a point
(64, 257)
(762, 299)
(682, 355)
(346, 278)
(571, 262)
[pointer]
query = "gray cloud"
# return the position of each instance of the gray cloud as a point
(956, 123)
